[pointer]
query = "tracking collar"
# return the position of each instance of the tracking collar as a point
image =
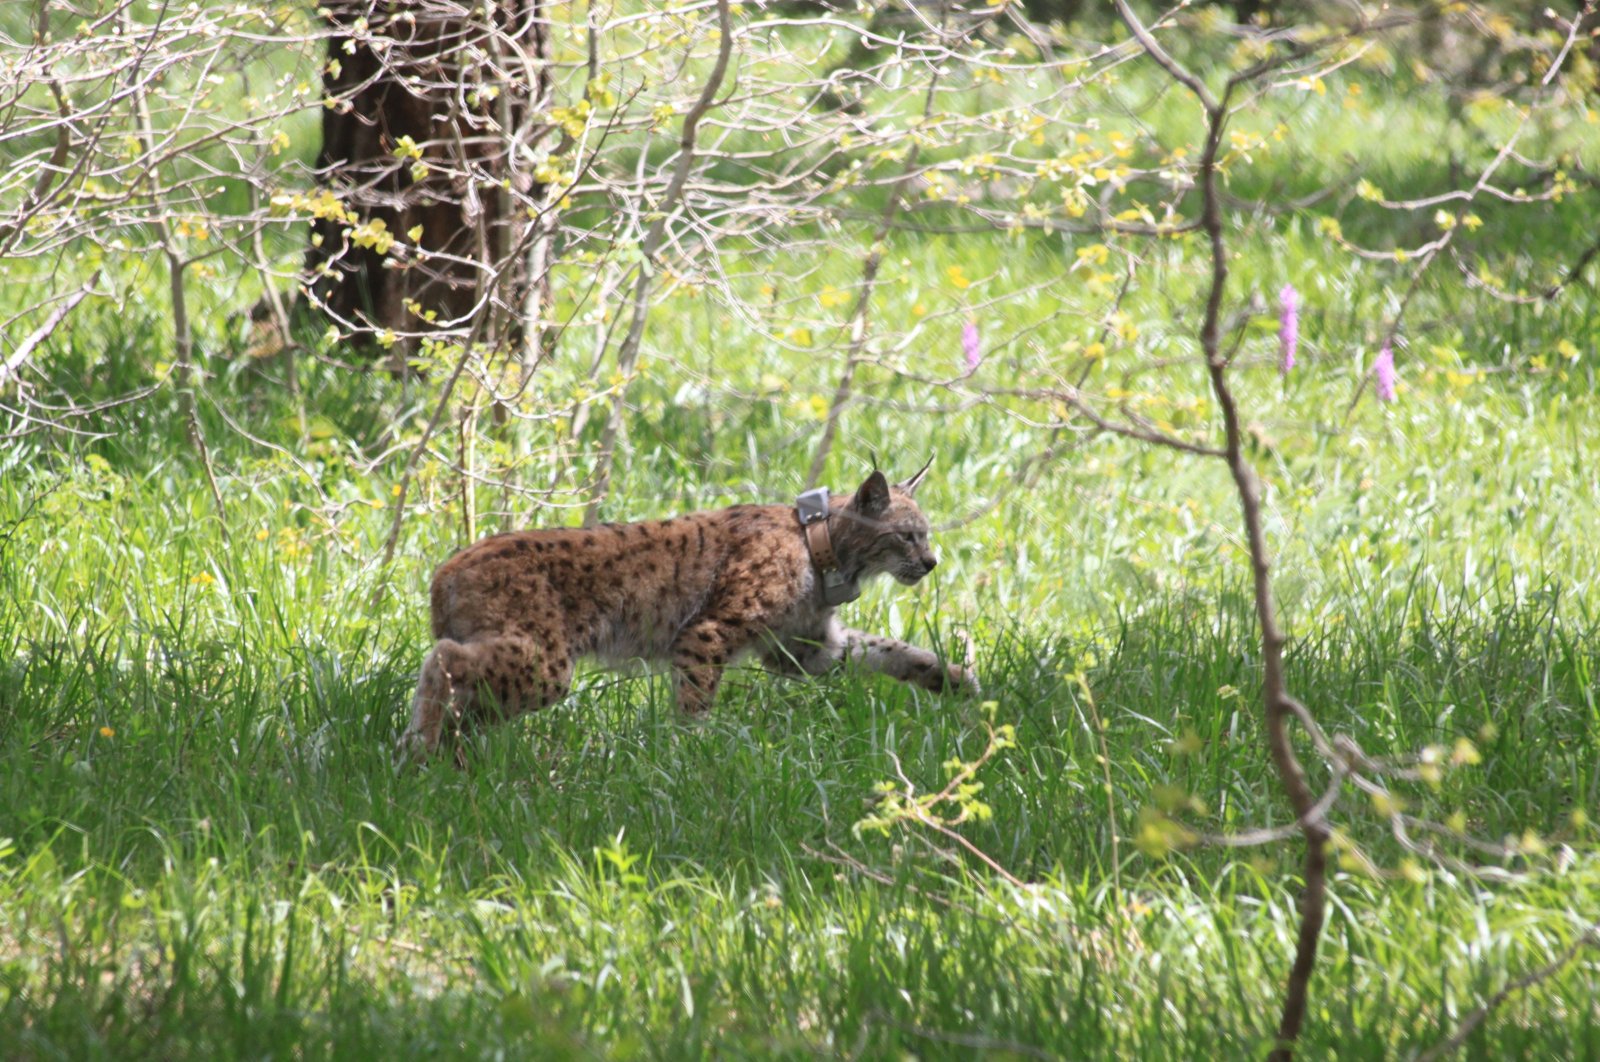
(812, 509)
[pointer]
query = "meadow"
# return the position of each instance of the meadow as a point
(208, 850)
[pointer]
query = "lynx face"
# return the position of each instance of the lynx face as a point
(901, 548)
(886, 533)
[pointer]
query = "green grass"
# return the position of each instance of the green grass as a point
(239, 869)
(210, 853)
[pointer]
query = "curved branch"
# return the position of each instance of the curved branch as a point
(654, 237)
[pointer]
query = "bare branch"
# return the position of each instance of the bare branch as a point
(1588, 938)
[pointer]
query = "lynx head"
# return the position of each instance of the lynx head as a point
(880, 530)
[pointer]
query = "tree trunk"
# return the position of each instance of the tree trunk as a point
(430, 103)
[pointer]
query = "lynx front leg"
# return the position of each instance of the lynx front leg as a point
(908, 663)
(698, 657)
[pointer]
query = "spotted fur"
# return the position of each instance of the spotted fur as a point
(513, 613)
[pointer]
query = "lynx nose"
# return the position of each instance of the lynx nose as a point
(929, 563)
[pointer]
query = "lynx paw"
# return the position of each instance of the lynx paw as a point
(964, 680)
(411, 748)
(965, 677)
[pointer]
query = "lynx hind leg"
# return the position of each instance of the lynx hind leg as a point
(485, 680)
(436, 700)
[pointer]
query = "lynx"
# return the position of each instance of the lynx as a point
(513, 612)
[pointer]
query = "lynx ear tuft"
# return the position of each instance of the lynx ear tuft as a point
(872, 498)
(910, 486)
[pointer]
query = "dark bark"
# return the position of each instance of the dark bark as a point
(1247, 12)
(474, 231)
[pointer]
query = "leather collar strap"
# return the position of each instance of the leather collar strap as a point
(820, 542)
(812, 510)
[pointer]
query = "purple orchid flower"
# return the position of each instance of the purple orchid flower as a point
(1288, 327)
(1383, 372)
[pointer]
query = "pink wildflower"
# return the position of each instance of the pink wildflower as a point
(1383, 371)
(970, 345)
(1288, 327)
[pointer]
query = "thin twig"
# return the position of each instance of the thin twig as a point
(655, 236)
(860, 314)
(1278, 705)
(17, 358)
(1590, 936)
(393, 537)
(183, 332)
